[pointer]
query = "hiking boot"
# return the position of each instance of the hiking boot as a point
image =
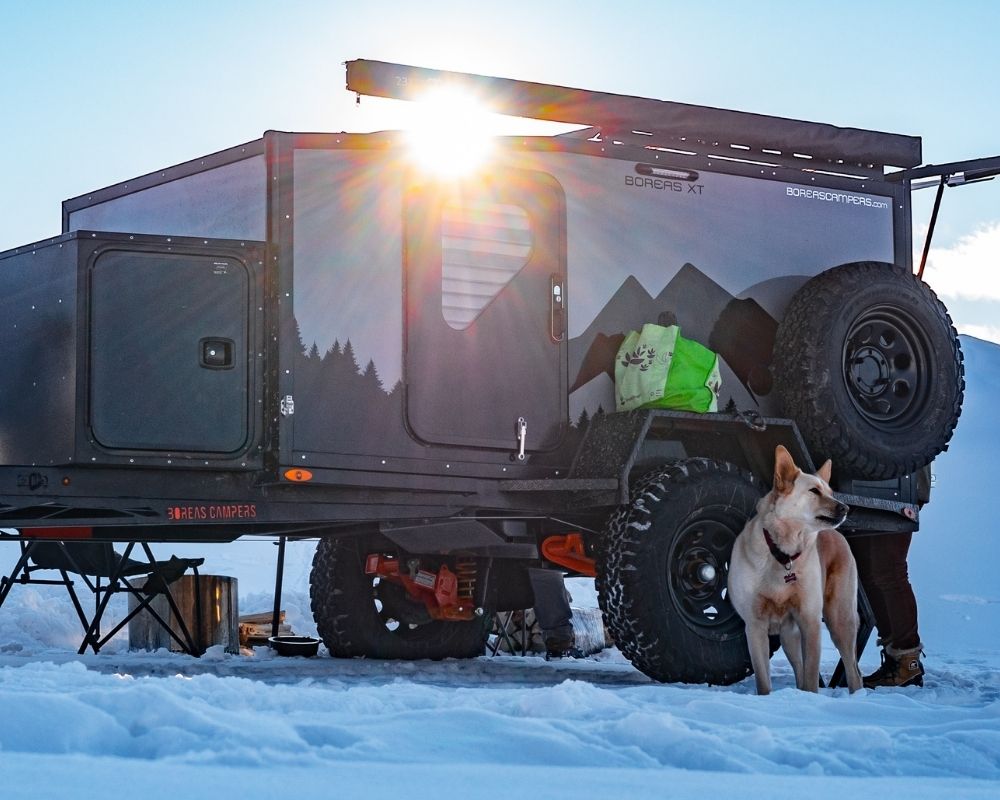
(899, 668)
(557, 646)
(573, 652)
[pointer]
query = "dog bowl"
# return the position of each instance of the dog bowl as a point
(294, 645)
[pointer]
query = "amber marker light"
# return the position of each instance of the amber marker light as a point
(298, 475)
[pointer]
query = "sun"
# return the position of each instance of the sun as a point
(449, 133)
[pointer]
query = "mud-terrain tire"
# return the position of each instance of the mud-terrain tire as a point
(353, 622)
(668, 614)
(867, 362)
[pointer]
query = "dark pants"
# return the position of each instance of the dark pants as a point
(882, 569)
(551, 603)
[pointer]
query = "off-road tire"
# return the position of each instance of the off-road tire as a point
(665, 618)
(867, 362)
(349, 622)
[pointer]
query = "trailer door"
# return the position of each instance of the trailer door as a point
(485, 321)
(169, 352)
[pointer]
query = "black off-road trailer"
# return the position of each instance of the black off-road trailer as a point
(307, 335)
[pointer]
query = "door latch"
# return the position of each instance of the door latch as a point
(287, 406)
(522, 437)
(217, 353)
(557, 309)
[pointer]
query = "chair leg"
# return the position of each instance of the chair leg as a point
(504, 636)
(97, 601)
(7, 583)
(188, 644)
(191, 647)
(92, 637)
(78, 607)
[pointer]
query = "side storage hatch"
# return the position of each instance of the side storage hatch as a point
(168, 352)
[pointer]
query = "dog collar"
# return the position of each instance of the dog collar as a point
(779, 555)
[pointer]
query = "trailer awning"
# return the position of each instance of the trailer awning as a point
(652, 121)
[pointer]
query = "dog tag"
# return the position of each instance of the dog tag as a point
(790, 577)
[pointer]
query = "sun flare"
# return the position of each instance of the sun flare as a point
(450, 134)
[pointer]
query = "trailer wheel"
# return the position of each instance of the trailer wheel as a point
(869, 365)
(662, 572)
(359, 616)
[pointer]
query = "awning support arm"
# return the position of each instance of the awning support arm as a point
(930, 228)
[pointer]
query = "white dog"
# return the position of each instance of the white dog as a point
(790, 570)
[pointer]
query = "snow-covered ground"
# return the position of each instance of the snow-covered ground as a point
(159, 725)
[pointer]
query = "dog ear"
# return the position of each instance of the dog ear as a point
(825, 471)
(785, 471)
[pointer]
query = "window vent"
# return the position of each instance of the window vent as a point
(483, 246)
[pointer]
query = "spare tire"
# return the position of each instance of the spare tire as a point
(867, 362)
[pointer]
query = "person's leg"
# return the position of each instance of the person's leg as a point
(882, 568)
(552, 609)
(881, 560)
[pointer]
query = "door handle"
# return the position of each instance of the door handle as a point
(557, 309)
(216, 353)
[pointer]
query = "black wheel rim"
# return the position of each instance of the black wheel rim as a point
(886, 367)
(698, 573)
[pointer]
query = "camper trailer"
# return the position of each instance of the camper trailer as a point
(313, 335)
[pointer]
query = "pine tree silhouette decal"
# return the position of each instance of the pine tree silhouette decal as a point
(298, 338)
(371, 375)
(333, 352)
(341, 408)
(350, 358)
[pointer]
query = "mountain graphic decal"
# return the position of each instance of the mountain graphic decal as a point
(739, 330)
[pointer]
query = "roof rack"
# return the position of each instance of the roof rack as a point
(646, 122)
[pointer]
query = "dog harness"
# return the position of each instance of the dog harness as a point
(781, 557)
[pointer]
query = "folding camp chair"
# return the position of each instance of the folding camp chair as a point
(105, 573)
(511, 633)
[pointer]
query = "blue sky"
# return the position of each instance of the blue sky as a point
(93, 93)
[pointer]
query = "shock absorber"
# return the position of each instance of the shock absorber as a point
(465, 571)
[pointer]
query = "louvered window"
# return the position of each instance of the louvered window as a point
(483, 245)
